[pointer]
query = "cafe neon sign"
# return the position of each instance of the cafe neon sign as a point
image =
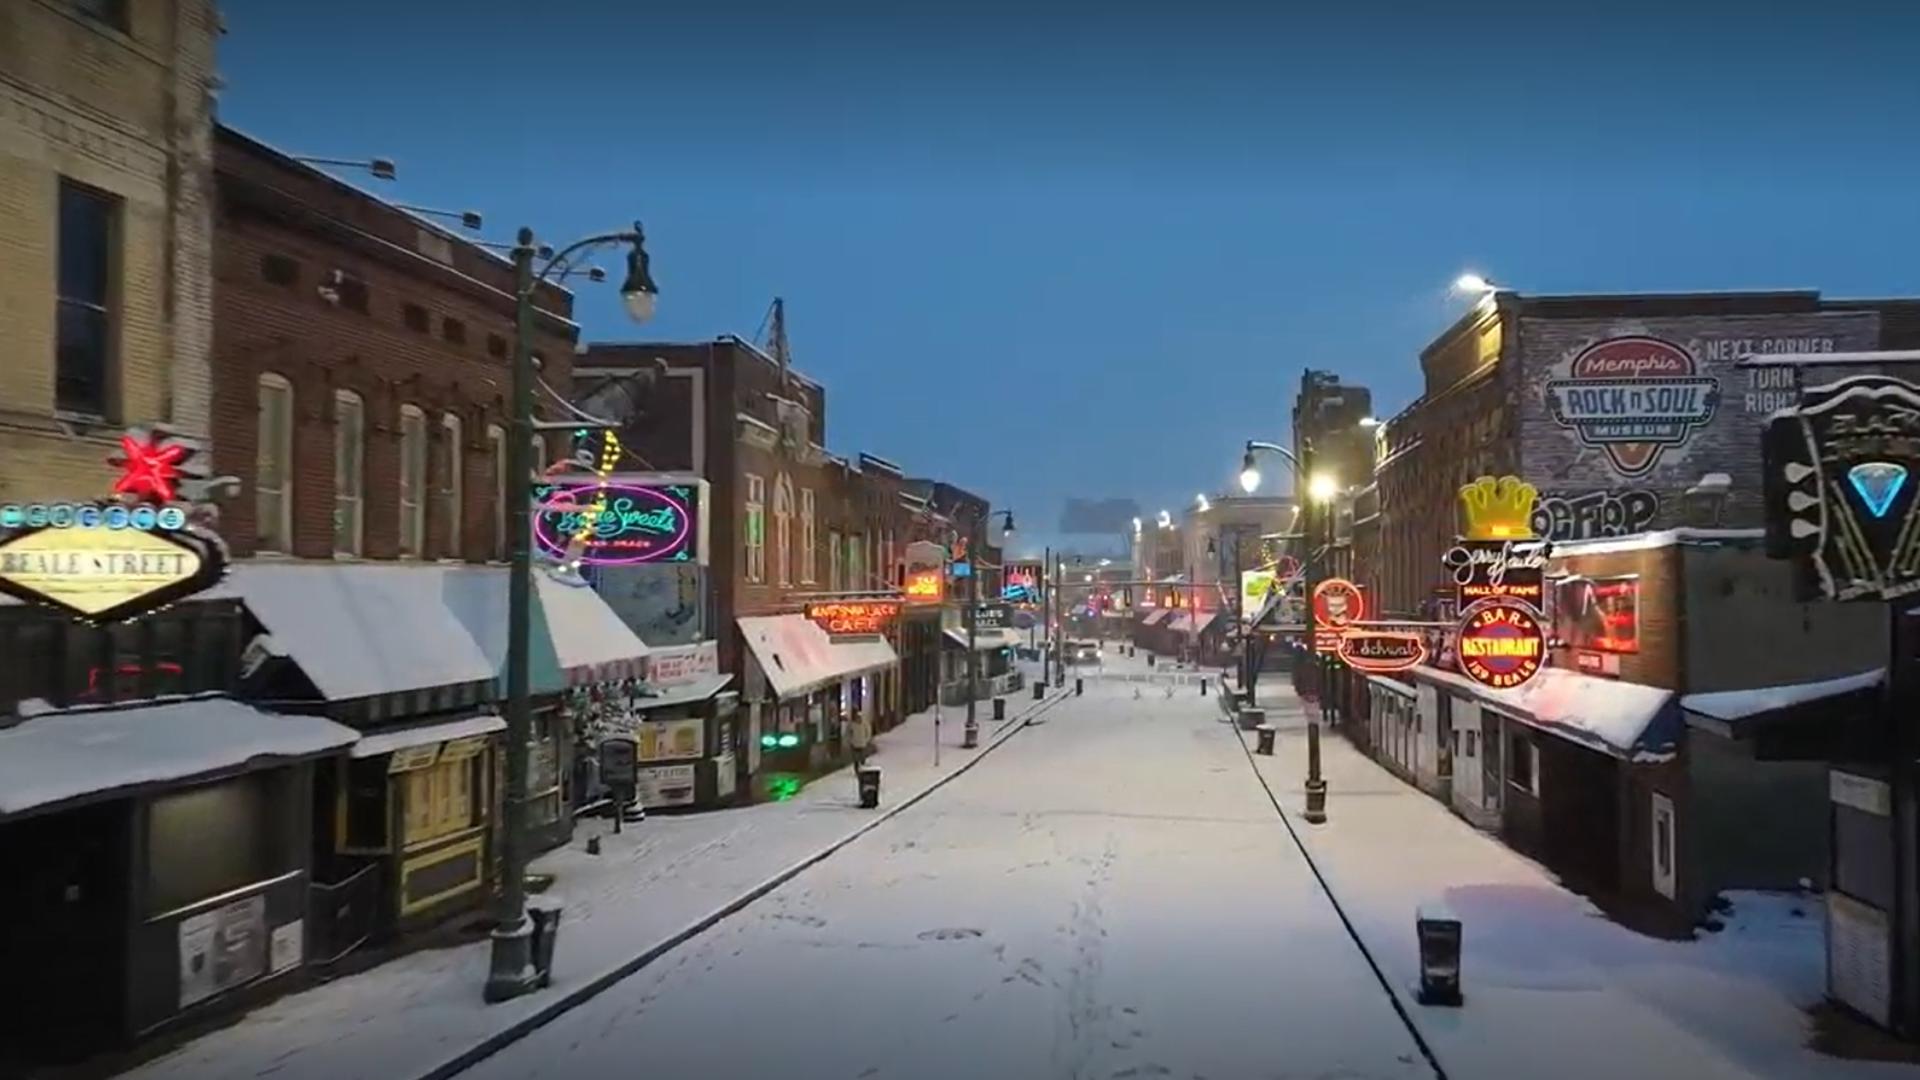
(615, 524)
(854, 618)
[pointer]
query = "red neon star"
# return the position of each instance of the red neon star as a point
(147, 469)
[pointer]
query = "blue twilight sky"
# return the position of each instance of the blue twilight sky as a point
(1061, 249)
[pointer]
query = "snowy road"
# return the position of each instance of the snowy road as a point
(1110, 896)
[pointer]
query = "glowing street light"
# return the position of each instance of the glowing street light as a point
(1322, 488)
(1201, 504)
(1472, 284)
(1164, 520)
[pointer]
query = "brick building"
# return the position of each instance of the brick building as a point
(364, 359)
(104, 216)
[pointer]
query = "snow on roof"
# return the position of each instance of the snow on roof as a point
(386, 742)
(1394, 685)
(999, 637)
(60, 756)
(685, 693)
(1608, 714)
(590, 642)
(1740, 704)
(1651, 540)
(797, 656)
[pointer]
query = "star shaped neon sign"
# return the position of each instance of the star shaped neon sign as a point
(148, 470)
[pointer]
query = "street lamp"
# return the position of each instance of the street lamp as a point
(1164, 520)
(1250, 468)
(971, 733)
(1322, 488)
(510, 973)
(1200, 503)
(1472, 284)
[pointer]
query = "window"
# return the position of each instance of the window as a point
(440, 800)
(539, 457)
(454, 331)
(351, 291)
(273, 466)
(413, 480)
(1665, 866)
(1473, 749)
(833, 562)
(497, 454)
(83, 349)
(111, 12)
(1523, 767)
(756, 540)
(783, 531)
(496, 346)
(809, 554)
(349, 471)
(415, 317)
(279, 270)
(856, 569)
(449, 494)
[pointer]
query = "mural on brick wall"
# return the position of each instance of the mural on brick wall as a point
(659, 601)
(1619, 417)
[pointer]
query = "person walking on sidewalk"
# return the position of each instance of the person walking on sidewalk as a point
(859, 738)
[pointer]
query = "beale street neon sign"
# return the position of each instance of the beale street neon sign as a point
(637, 523)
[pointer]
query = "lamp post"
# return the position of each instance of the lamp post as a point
(510, 972)
(970, 735)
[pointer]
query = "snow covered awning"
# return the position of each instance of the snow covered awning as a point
(999, 637)
(798, 657)
(1154, 617)
(1727, 710)
(684, 693)
(386, 742)
(1619, 718)
(60, 757)
(591, 644)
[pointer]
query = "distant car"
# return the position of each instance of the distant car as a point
(1082, 652)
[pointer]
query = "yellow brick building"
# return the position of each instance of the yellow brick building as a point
(105, 222)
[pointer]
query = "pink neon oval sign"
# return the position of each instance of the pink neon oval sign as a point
(639, 523)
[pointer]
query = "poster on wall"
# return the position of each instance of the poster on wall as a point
(222, 948)
(683, 664)
(671, 740)
(666, 785)
(1644, 407)
(1600, 615)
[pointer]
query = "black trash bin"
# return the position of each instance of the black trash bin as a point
(1264, 735)
(869, 786)
(1079, 687)
(544, 912)
(999, 708)
(1251, 719)
(1039, 689)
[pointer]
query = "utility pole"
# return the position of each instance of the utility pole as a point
(971, 734)
(1046, 619)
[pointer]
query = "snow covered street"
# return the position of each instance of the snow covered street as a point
(1111, 895)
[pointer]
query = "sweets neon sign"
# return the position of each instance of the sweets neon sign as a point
(615, 524)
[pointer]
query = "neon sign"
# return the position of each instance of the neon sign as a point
(1379, 651)
(91, 516)
(925, 586)
(855, 618)
(616, 524)
(1501, 643)
(105, 563)
(149, 467)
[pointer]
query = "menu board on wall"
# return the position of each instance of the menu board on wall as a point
(669, 740)
(222, 949)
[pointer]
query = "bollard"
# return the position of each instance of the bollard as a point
(1265, 745)
(1039, 689)
(1316, 787)
(1079, 687)
(1203, 687)
(1251, 718)
(999, 708)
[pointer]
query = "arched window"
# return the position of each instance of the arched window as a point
(413, 481)
(450, 470)
(273, 466)
(349, 471)
(497, 453)
(783, 553)
(540, 462)
(809, 545)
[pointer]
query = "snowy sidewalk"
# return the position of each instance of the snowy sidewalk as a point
(1552, 987)
(653, 881)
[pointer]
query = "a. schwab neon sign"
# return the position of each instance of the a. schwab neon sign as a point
(638, 523)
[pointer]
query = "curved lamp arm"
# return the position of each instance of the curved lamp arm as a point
(1275, 448)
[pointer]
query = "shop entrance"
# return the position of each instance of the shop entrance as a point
(63, 918)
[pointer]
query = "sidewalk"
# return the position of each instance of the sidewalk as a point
(649, 886)
(1552, 987)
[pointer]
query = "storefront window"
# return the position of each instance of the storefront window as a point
(366, 812)
(439, 800)
(215, 838)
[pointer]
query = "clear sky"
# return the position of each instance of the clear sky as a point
(1060, 249)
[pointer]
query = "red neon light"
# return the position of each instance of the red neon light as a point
(162, 667)
(148, 470)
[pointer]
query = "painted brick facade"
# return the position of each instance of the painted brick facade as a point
(283, 232)
(125, 111)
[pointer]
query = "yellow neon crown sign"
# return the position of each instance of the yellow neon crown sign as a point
(1498, 509)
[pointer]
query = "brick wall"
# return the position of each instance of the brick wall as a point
(269, 208)
(82, 100)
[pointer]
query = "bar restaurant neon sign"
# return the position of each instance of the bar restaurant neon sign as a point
(855, 618)
(1501, 643)
(616, 524)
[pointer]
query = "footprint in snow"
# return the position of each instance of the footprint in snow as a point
(948, 934)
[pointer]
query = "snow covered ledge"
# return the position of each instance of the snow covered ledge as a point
(1723, 710)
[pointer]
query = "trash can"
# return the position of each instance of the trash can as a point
(544, 912)
(1039, 690)
(1251, 719)
(1438, 931)
(1264, 734)
(869, 776)
(1203, 686)
(999, 708)
(1079, 687)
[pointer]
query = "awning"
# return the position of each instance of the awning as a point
(1620, 718)
(999, 637)
(386, 742)
(798, 657)
(684, 693)
(1725, 711)
(59, 757)
(1187, 623)
(1155, 616)
(358, 630)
